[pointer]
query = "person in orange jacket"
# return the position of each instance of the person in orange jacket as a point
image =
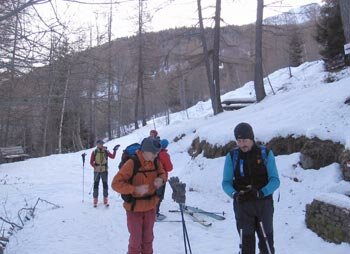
(142, 201)
(99, 161)
(165, 160)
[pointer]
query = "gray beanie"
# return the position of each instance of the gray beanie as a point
(150, 145)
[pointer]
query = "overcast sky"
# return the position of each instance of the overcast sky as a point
(178, 13)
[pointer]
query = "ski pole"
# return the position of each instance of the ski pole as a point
(241, 241)
(184, 229)
(83, 158)
(265, 237)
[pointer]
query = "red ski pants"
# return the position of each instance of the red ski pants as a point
(140, 226)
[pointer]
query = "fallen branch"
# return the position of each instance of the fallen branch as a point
(43, 200)
(4, 239)
(32, 210)
(26, 217)
(11, 223)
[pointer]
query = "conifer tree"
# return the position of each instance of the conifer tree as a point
(296, 51)
(329, 31)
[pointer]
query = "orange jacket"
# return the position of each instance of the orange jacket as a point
(121, 183)
(165, 160)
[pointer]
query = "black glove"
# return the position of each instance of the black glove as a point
(116, 147)
(254, 193)
(249, 194)
(240, 196)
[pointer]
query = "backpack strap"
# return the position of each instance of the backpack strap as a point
(264, 153)
(137, 165)
(234, 156)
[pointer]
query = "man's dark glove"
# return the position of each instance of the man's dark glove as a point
(240, 196)
(256, 193)
(249, 194)
(116, 147)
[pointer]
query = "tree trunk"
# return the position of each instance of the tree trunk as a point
(136, 121)
(48, 103)
(60, 128)
(141, 70)
(206, 57)
(183, 94)
(79, 143)
(216, 58)
(92, 103)
(109, 113)
(119, 112)
(11, 84)
(140, 73)
(345, 16)
(258, 74)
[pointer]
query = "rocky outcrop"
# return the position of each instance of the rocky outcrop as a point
(347, 101)
(286, 145)
(328, 221)
(209, 151)
(317, 153)
(179, 137)
(345, 164)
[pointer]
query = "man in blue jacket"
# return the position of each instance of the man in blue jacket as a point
(250, 178)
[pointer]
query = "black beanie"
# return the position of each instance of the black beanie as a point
(244, 131)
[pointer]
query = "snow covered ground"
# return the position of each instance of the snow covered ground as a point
(303, 105)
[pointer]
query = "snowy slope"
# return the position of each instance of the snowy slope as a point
(303, 105)
(297, 15)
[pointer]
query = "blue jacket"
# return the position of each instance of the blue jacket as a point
(268, 189)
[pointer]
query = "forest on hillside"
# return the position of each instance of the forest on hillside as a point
(59, 93)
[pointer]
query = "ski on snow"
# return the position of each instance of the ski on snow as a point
(195, 210)
(196, 219)
(201, 211)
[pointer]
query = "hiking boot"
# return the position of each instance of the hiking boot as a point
(105, 200)
(95, 202)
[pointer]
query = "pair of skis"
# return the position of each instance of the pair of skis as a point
(193, 211)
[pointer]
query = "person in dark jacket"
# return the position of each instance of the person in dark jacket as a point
(99, 161)
(251, 178)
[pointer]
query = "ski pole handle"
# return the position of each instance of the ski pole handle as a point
(83, 157)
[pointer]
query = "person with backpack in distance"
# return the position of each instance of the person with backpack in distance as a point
(138, 180)
(154, 134)
(99, 161)
(250, 178)
(165, 160)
